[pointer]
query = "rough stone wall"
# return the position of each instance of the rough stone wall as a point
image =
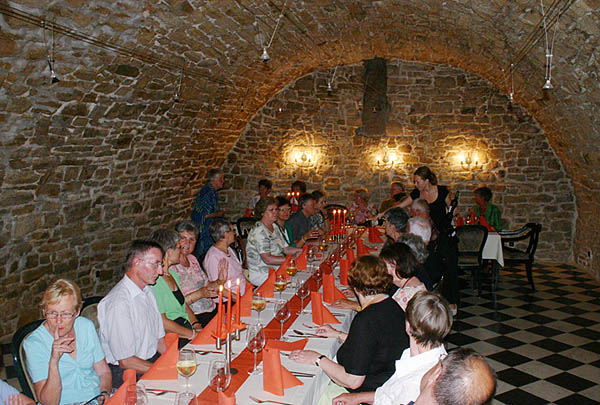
(438, 113)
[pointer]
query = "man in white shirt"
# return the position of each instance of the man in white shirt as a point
(131, 326)
(428, 321)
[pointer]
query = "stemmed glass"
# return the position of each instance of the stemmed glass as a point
(255, 342)
(302, 293)
(186, 365)
(136, 394)
(318, 274)
(258, 303)
(280, 284)
(219, 375)
(282, 314)
(185, 398)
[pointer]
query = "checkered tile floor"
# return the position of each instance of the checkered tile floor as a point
(545, 346)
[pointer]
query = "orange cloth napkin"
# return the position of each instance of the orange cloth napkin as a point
(207, 335)
(276, 377)
(326, 268)
(361, 249)
(301, 261)
(320, 314)
(374, 236)
(286, 346)
(350, 256)
(165, 367)
(245, 302)
(118, 397)
(225, 399)
(330, 291)
(484, 222)
(344, 271)
(269, 285)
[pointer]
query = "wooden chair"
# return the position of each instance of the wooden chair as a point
(19, 358)
(471, 240)
(512, 255)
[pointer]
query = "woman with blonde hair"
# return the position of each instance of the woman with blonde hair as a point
(361, 209)
(64, 356)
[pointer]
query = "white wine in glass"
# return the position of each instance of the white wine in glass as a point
(280, 284)
(258, 303)
(186, 365)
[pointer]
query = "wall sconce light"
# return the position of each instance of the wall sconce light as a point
(304, 158)
(468, 164)
(386, 161)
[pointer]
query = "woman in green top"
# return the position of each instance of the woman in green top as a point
(177, 315)
(483, 195)
(284, 209)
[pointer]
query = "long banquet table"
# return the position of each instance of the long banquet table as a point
(308, 393)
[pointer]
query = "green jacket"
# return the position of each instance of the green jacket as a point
(492, 215)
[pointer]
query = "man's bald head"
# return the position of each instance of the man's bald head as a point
(466, 379)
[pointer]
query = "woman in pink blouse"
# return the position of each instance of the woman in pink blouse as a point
(195, 285)
(221, 261)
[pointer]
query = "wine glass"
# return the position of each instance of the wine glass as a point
(136, 394)
(185, 398)
(318, 274)
(282, 314)
(186, 365)
(219, 375)
(258, 303)
(255, 341)
(302, 293)
(280, 284)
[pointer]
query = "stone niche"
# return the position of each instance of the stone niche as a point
(438, 115)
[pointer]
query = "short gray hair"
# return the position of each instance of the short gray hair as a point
(166, 238)
(416, 244)
(397, 217)
(420, 227)
(421, 205)
(188, 226)
(218, 228)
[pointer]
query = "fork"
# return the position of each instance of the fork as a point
(260, 401)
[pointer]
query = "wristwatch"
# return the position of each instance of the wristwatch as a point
(318, 361)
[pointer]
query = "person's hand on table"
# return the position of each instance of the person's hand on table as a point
(327, 331)
(346, 304)
(304, 356)
(347, 399)
(348, 292)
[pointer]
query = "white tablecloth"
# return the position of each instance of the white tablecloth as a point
(493, 248)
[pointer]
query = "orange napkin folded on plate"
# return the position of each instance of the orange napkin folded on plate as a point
(269, 285)
(245, 302)
(350, 256)
(276, 378)
(225, 399)
(165, 367)
(344, 271)
(330, 291)
(301, 261)
(320, 314)
(118, 397)
(284, 265)
(286, 346)
(374, 235)
(361, 249)
(207, 335)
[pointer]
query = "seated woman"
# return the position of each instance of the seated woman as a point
(402, 265)
(319, 221)
(64, 356)
(360, 208)
(483, 196)
(376, 339)
(195, 285)
(428, 322)
(221, 262)
(284, 210)
(265, 248)
(177, 315)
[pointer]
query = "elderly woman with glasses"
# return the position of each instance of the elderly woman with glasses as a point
(177, 315)
(221, 262)
(195, 284)
(64, 356)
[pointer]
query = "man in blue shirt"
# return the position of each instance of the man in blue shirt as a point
(206, 209)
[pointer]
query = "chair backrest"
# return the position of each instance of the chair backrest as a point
(89, 310)
(244, 225)
(19, 358)
(530, 232)
(471, 240)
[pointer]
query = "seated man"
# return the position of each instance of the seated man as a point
(396, 221)
(131, 326)
(428, 322)
(397, 193)
(462, 378)
(300, 222)
(264, 188)
(420, 209)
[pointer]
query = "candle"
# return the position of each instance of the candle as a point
(229, 307)
(220, 312)
(238, 317)
(345, 216)
(288, 196)
(333, 222)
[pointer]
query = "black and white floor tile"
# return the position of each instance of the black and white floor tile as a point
(544, 346)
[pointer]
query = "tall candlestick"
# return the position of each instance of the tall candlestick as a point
(333, 222)
(229, 307)
(220, 313)
(238, 304)
(345, 216)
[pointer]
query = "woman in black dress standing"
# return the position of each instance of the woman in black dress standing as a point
(438, 197)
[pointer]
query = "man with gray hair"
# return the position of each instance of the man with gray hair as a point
(463, 378)
(206, 208)
(420, 227)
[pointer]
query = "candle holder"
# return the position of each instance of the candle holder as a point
(229, 338)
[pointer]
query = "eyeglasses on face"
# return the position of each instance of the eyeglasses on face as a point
(153, 264)
(65, 316)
